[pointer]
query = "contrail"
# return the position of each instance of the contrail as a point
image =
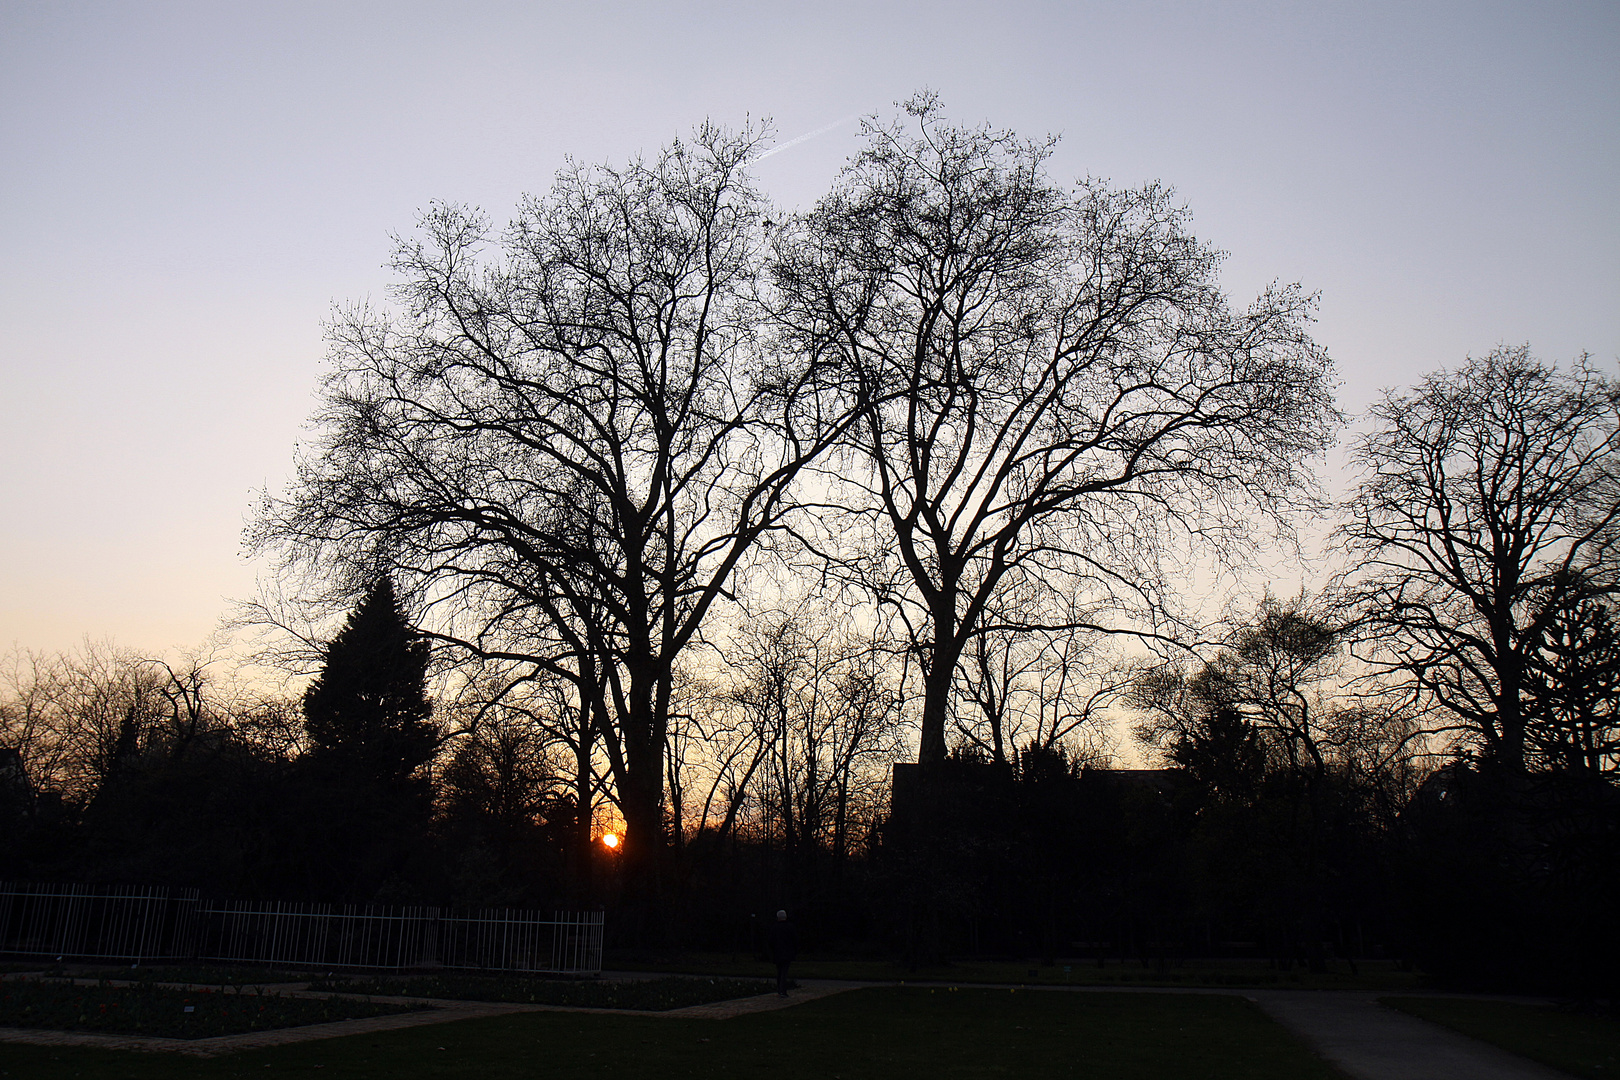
(779, 147)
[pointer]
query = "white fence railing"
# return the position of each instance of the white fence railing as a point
(321, 935)
(513, 939)
(98, 922)
(154, 923)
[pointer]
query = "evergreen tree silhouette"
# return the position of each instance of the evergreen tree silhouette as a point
(371, 733)
(368, 713)
(1223, 755)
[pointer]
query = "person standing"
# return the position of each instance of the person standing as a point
(784, 945)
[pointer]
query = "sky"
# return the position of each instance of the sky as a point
(186, 189)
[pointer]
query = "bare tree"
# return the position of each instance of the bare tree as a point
(863, 739)
(568, 451)
(819, 710)
(503, 773)
(31, 722)
(1284, 698)
(77, 720)
(1286, 675)
(1574, 676)
(1489, 505)
(1035, 675)
(509, 696)
(1050, 384)
(731, 741)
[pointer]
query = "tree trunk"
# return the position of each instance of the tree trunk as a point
(641, 787)
(937, 698)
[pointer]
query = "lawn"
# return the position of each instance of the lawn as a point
(1375, 975)
(1584, 1045)
(862, 1035)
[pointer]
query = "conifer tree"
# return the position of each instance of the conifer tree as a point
(368, 796)
(368, 715)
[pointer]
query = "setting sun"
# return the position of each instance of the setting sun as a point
(611, 841)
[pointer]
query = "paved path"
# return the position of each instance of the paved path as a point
(1371, 1042)
(808, 990)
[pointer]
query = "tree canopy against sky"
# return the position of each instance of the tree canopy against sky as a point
(568, 450)
(207, 178)
(1051, 386)
(1488, 510)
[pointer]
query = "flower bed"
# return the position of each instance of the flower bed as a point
(176, 1014)
(202, 974)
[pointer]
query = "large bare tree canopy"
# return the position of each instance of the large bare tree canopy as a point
(567, 440)
(567, 450)
(1049, 383)
(1488, 515)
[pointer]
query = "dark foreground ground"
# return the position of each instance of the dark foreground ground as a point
(1227, 1020)
(874, 1033)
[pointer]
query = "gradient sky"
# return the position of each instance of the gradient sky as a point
(186, 189)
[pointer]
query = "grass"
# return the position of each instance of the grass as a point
(1583, 1045)
(1374, 975)
(650, 994)
(863, 1035)
(175, 1014)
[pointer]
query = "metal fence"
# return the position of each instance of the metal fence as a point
(98, 922)
(322, 935)
(516, 940)
(155, 923)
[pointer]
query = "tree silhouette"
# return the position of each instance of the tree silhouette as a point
(368, 711)
(368, 718)
(1223, 754)
(1574, 677)
(1490, 504)
(1051, 385)
(574, 445)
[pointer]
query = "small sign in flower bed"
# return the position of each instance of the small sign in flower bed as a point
(174, 1014)
(649, 995)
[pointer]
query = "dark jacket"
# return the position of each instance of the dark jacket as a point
(784, 943)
